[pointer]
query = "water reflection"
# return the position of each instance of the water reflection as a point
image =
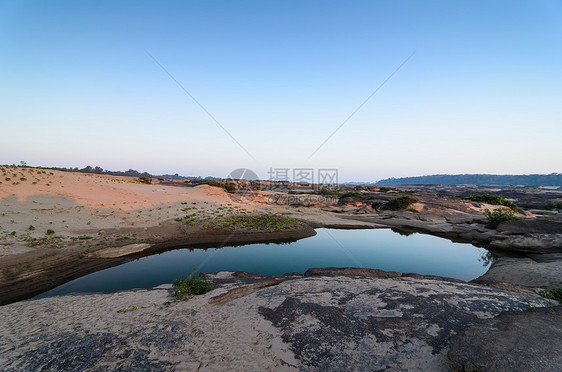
(397, 250)
(487, 258)
(403, 232)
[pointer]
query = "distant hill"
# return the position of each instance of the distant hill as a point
(554, 179)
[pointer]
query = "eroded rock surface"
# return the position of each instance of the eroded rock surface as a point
(528, 341)
(303, 323)
(525, 271)
(529, 243)
(531, 225)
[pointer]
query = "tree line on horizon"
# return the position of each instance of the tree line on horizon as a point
(129, 173)
(553, 179)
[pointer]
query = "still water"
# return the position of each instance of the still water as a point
(376, 249)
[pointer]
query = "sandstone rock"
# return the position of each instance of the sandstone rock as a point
(513, 341)
(351, 271)
(433, 218)
(549, 257)
(120, 251)
(432, 277)
(542, 212)
(334, 209)
(524, 271)
(530, 243)
(531, 225)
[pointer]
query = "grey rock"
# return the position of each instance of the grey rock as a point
(524, 271)
(433, 218)
(550, 257)
(531, 225)
(341, 324)
(351, 271)
(530, 243)
(513, 341)
(432, 277)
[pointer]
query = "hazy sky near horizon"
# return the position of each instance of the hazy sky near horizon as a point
(482, 92)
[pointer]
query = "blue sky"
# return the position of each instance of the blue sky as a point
(482, 92)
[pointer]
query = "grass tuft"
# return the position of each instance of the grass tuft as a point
(190, 286)
(553, 294)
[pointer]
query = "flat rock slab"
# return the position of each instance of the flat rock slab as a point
(120, 251)
(531, 225)
(525, 272)
(308, 324)
(528, 341)
(534, 243)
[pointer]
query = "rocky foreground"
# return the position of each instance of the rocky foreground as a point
(330, 320)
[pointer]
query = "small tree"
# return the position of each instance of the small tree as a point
(399, 204)
(145, 179)
(498, 216)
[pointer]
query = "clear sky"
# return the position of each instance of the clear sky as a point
(482, 92)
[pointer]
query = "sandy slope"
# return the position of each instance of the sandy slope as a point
(76, 204)
(94, 190)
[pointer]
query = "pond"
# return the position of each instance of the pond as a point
(374, 248)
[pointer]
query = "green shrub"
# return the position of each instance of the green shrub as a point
(385, 189)
(329, 193)
(190, 286)
(147, 180)
(553, 294)
(497, 216)
(351, 194)
(50, 232)
(493, 199)
(265, 222)
(337, 193)
(229, 187)
(553, 205)
(213, 183)
(399, 204)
